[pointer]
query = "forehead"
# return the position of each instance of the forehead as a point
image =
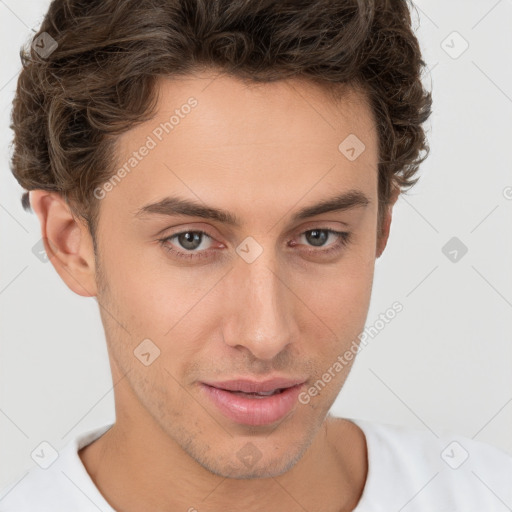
(233, 110)
(216, 137)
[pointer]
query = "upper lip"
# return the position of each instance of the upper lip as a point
(252, 386)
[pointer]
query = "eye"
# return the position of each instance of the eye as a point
(319, 236)
(191, 241)
(194, 244)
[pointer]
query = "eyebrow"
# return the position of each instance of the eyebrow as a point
(174, 206)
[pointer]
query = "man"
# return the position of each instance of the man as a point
(221, 176)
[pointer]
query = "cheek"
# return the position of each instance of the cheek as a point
(341, 303)
(145, 290)
(170, 306)
(341, 291)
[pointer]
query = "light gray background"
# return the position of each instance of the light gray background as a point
(444, 363)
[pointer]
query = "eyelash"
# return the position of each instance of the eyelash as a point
(343, 241)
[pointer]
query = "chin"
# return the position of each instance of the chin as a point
(251, 457)
(263, 468)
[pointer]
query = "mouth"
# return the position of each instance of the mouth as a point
(258, 394)
(255, 408)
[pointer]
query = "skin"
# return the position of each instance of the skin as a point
(261, 152)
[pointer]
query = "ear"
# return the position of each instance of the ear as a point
(67, 242)
(382, 237)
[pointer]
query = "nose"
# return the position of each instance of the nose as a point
(261, 314)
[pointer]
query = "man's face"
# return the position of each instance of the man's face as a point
(271, 296)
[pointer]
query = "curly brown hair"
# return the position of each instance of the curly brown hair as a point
(99, 80)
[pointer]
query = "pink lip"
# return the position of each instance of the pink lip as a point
(254, 411)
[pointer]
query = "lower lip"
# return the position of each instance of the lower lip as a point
(254, 411)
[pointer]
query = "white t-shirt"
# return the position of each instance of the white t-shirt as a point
(409, 470)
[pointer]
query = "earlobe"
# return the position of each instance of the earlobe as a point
(67, 242)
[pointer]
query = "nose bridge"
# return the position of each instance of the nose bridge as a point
(261, 319)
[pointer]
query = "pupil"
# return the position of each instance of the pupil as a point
(190, 240)
(317, 237)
